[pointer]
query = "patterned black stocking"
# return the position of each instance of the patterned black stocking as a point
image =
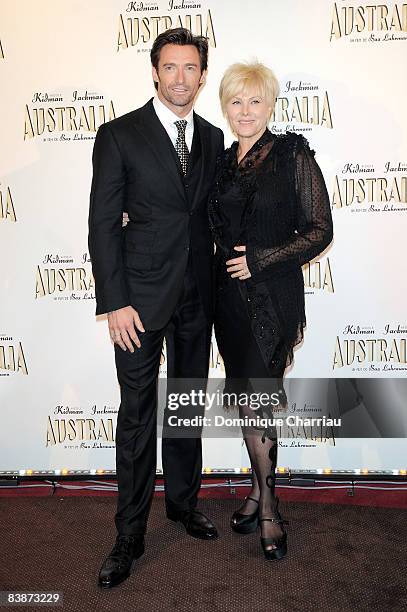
(261, 445)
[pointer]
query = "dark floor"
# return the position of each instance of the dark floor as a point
(340, 558)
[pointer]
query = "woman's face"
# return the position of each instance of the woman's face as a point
(248, 114)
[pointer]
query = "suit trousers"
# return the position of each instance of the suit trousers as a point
(188, 336)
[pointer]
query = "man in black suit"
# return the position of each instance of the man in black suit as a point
(154, 279)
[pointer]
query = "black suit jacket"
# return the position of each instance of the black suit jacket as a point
(136, 169)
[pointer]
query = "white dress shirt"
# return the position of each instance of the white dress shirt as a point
(167, 118)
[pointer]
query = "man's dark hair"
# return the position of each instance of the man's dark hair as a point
(179, 36)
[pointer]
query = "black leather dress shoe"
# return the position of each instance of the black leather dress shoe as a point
(196, 524)
(116, 567)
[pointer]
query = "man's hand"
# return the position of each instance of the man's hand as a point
(122, 327)
(239, 265)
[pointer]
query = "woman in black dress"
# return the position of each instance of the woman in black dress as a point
(270, 214)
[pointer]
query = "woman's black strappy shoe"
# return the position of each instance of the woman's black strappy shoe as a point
(245, 523)
(275, 549)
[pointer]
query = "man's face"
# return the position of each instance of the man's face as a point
(178, 77)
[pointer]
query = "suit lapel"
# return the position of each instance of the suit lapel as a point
(157, 138)
(205, 151)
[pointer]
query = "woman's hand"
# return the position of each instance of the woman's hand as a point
(238, 266)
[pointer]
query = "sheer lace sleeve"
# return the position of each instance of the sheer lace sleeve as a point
(313, 230)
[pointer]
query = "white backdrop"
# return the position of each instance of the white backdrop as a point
(65, 68)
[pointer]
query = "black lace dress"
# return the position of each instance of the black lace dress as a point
(275, 203)
(234, 336)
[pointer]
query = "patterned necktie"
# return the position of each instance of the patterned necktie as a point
(181, 146)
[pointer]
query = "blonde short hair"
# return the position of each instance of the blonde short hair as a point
(241, 77)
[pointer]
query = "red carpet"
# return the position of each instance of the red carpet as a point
(340, 559)
(376, 494)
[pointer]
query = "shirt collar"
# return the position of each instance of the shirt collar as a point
(167, 117)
